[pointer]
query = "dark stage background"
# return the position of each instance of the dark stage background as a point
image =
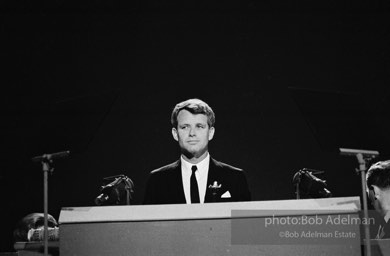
(290, 84)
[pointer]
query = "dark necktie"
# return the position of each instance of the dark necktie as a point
(194, 187)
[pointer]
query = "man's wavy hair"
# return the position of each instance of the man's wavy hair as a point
(32, 220)
(379, 175)
(194, 106)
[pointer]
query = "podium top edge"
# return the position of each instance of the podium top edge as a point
(206, 211)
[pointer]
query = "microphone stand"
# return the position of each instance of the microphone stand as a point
(128, 188)
(46, 160)
(362, 157)
(296, 181)
(362, 169)
(46, 168)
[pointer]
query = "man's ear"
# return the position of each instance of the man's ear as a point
(377, 191)
(211, 133)
(174, 134)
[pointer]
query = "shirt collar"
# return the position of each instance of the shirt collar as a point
(202, 165)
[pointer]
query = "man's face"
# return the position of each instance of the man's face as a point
(193, 133)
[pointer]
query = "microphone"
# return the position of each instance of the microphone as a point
(105, 192)
(101, 199)
(354, 152)
(310, 186)
(116, 192)
(49, 157)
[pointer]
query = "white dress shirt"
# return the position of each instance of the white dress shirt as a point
(201, 177)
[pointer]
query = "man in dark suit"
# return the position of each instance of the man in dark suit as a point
(195, 177)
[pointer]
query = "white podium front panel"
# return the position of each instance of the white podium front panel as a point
(204, 229)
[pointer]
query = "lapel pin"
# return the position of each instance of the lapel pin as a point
(214, 189)
(215, 185)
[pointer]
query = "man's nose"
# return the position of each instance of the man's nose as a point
(192, 131)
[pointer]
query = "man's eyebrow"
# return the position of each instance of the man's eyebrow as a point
(182, 124)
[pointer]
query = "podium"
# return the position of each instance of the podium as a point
(203, 229)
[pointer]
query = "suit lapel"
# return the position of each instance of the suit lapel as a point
(178, 181)
(212, 176)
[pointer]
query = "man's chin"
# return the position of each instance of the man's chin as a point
(193, 153)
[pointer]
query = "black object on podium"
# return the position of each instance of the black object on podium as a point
(118, 190)
(310, 186)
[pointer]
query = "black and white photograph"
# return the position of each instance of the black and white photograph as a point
(195, 128)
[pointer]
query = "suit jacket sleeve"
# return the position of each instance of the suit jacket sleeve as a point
(164, 186)
(244, 193)
(149, 195)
